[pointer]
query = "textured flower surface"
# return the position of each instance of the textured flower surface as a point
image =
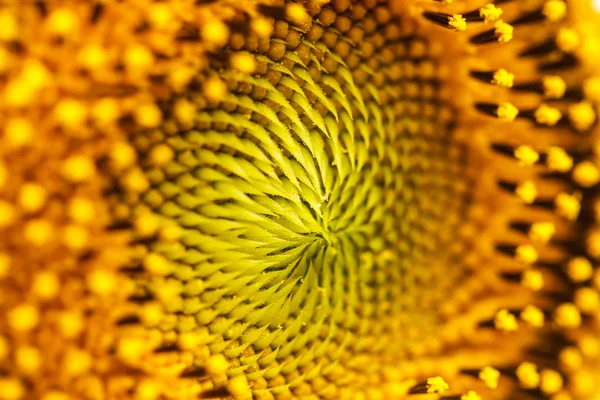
(317, 199)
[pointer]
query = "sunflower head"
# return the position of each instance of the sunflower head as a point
(316, 199)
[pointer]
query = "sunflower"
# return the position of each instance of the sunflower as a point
(299, 199)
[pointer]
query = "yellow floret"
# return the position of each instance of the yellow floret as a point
(505, 321)
(579, 269)
(558, 160)
(567, 315)
(586, 174)
(490, 376)
(507, 112)
(458, 23)
(532, 279)
(529, 377)
(554, 86)
(503, 78)
(542, 231)
(533, 316)
(551, 381)
(503, 31)
(554, 10)
(526, 155)
(546, 115)
(490, 13)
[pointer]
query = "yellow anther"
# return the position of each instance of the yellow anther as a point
(18, 132)
(76, 362)
(470, 395)
(542, 231)
(503, 78)
(161, 155)
(532, 279)
(586, 174)
(32, 197)
(70, 323)
(490, 377)
(101, 281)
(217, 365)
(554, 86)
(5, 262)
(151, 314)
(503, 31)
(28, 359)
(582, 115)
(92, 57)
(558, 160)
(70, 114)
(215, 33)
(184, 111)
(567, 315)
(123, 156)
(526, 155)
(7, 214)
(36, 74)
(39, 232)
(160, 15)
(45, 285)
(490, 13)
(533, 316)
(10, 26)
(146, 224)
(457, 23)
(505, 321)
(63, 22)
(138, 59)
(11, 388)
(529, 377)
(215, 89)
(81, 210)
(568, 40)
(554, 10)
(78, 168)
(148, 115)
(526, 254)
(76, 237)
(551, 381)
(436, 384)
(591, 89)
(23, 318)
(507, 112)
(570, 358)
(147, 389)
(568, 205)
(579, 269)
(587, 300)
(106, 111)
(262, 27)
(135, 181)
(171, 233)
(157, 264)
(239, 388)
(297, 14)
(527, 192)
(546, 115)
(243, 62)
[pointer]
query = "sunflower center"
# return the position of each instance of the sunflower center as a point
(318, 189)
